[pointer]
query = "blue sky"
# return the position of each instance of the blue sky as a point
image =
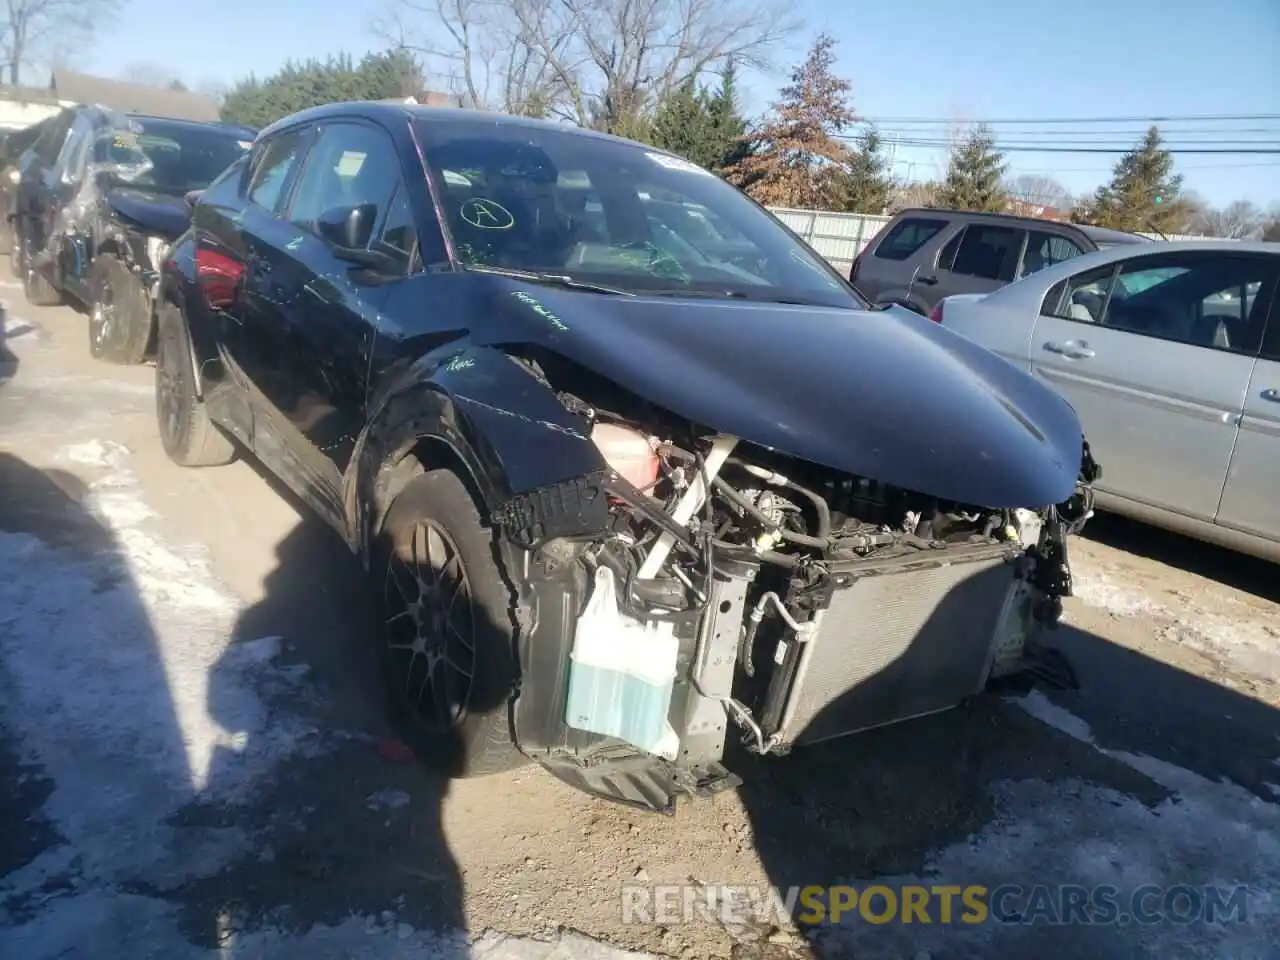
(970, 59)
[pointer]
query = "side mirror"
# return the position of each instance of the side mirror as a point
(348, 228)
(191, 197)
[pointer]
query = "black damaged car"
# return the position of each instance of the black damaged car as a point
(97, 210)
(632, 470)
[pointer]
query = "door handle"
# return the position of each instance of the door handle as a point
(1271, 394)
(927, 281)
(1072, 349)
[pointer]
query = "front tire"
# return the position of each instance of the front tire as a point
(189, 437)
(444, 630)
(120, 313)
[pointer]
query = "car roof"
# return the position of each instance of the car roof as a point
(100, 114)
(1105, 235)
(1096, 234)
(233, 128)
(1043, 279)
(387, 112)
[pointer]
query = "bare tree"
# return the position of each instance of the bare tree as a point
(150, 74)
(479, 48)
(45, 29)
(917, 194)
(1236, 221)
(595, 62)
(1271, 225)
(214, 90)
(1039, 190)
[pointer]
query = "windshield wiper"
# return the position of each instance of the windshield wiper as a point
(559, 279)
(730, 295)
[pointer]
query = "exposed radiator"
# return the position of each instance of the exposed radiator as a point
(900, 643)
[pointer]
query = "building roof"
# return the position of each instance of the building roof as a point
(132, 97)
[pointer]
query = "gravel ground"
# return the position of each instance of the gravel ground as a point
(194, 760)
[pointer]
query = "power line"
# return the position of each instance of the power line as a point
(1103, 166)
(1192, 117)
(1111, 136)
(1126, 148)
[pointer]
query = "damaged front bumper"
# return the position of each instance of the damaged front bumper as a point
(835, 647)
(892, 641)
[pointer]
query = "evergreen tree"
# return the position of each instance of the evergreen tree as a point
(702, 126)
(1144, 193)
(684, 124)
(800, 160)
(869, 186)
(975, 175)
(297, 86)
(731, 126)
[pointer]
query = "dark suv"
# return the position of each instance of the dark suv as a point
(923, 255)
(99, 197)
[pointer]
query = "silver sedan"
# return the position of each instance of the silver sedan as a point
(1171, 356)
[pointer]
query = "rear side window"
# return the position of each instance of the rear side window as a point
(1046, 249)
(990, 253)
(907, 236)
(276, 159)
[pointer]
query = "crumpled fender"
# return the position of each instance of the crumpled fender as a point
(503, 424)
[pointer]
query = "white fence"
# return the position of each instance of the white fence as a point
(839, 237)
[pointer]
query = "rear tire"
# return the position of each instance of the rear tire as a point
(436, 583)
(37, 287)
(189, 437)
(120, 313)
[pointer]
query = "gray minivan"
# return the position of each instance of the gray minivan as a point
(925, 254)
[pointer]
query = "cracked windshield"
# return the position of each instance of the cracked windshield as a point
(610, 213)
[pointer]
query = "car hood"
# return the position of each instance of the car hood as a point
(157, 213)
(887, 395)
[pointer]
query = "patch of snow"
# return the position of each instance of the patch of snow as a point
(119, 679)
(1075, 833)
(112, 924)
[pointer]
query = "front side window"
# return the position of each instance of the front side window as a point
(75, 151)
(529, 198)
(54, 136)
(399, 235)
(350, 165)
(1205, 299)
(1082, 297)
(907, 236)
(990, 253)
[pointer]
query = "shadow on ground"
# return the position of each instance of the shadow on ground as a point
(1080, 787)
(1231, 568)
(91, 754)
(351, 830)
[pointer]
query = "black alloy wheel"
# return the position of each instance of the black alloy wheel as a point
(429, 628)
(102, 316)
(189, 437)
(444, 627)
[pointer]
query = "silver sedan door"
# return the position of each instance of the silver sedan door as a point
(1158, 380)
(1249, 502)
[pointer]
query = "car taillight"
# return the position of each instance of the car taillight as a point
(936, 315)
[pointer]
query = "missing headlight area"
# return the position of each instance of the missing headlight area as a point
(725, 588)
